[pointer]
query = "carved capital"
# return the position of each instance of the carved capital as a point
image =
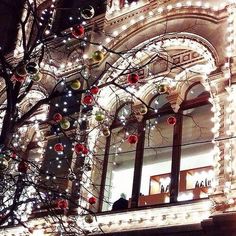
(175, 100)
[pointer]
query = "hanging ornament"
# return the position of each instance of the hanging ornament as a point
(75, 84)
(21, 71)
(65, 124)
(3, 164)
(143, 109)
(99, 116)
(87, 12)
(98, 56)
(133, 138)
(79, 148)
(106, 132)
(94, 90)
(22, 167)
(85, 151)
(62, 204)
(133, 78)
(71, 176)
(19, 78)
(92, 200)
(13, 155)
(88, 99)
(57, 117)
(36, 78)
(32, 68)
(58, 147)
(162, 88)
(78, 31)
(88, 219)
(171, 120)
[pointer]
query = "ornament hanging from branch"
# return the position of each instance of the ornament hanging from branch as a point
(87, 12)
(133, 78)
(171, 120)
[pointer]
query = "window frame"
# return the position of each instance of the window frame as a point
(201, 100)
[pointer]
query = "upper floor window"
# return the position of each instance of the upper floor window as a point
(173, 148)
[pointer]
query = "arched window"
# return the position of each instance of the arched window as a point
(120, 165)
(172, 159)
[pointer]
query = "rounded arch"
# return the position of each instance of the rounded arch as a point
(168, 22)
(206, 66)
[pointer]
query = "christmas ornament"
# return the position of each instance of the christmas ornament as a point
(63, 204)
(32, 68)
(106, 132)
(78, 31)
(171, 120)
(87, 12)
(85, 151)
(75, 85)
(57, 117)
(79, 148)
(133, 138)
(99, 116)
(36, 78)
(92, 200)
(3, 164)
(133, 78)
(98, 56)
(21, 71)
(71, 176)
(22, 167)
(94, 90)
(58, 147)
(88, 219)
(143, 109)
(88, 99)
(162, 88)
(65, 124)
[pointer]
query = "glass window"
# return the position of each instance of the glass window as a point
(156, 162)
(196, 154)
(120, 171)
(196, 91)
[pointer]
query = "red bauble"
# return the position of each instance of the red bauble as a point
(13, 155)
(57, 117)
(78, 31)
(58, 147)
(88, 99)
(19, 78)
(92, 200)
(171, 120)
(94, 90)
(85, 151)
(79, 147)
(133, 78)
(132, 139)
(22, 167)
(63, 204)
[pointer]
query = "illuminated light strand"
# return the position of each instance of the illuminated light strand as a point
(230, 106)
(117, 32)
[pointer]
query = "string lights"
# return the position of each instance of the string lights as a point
(100, 102)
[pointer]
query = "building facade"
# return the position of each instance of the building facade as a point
(177, 175)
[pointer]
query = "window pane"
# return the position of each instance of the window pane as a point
(196, 91)
(119, 179)
(196, 155)
(157, 162)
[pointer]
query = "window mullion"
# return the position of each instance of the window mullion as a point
(176, 157)
(138, 165)
(104, 173)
